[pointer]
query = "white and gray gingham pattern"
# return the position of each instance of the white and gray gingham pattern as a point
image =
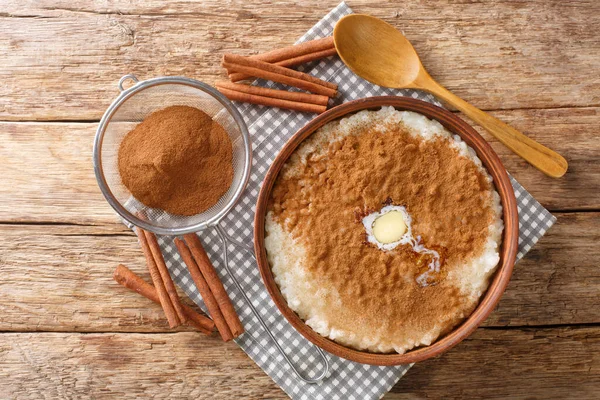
(270, 128)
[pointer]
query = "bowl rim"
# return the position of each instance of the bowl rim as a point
(133, 220)
(508, 251)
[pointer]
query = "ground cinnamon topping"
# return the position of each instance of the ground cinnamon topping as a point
(178, 159)
(321, 205)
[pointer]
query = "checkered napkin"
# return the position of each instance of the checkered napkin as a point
(269, 129)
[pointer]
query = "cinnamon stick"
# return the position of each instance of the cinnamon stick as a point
(163, 296)
(270, 101)
(127, 278)
(285, 53)
(214, 282)
(292, 73)
(304, 58)
(286, 80)
(209, 299)
(274, 93)
(291, 62)
(164, 273)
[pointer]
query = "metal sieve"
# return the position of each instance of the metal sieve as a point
(130, 108)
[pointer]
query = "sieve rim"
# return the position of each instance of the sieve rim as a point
(97, 154)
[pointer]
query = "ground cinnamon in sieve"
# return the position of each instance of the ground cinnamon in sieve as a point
(178, 159)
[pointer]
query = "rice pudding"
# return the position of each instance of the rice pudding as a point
(383, 230)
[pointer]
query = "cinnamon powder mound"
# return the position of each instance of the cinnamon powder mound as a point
(178, 159)
(320, 202)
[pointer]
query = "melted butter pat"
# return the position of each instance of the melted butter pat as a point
(390, 227)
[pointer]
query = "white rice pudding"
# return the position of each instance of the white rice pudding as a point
(368, 295)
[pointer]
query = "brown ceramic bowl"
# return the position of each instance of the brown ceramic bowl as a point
(507, 254)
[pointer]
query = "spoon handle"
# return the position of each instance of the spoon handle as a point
(541, 157)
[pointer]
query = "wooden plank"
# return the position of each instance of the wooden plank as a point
(558, 281)
(128, 366)
(62, 61)
(570, 132)
(545, 363)
(49, 166)
(59, 278)
(517, 364)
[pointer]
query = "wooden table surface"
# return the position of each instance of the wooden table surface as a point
(67, 330)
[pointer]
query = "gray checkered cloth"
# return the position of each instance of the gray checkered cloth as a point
(269, 129)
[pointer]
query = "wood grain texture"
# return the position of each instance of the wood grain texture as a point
(535, 62)
(559, 278)
(59, 278)
(179, 365)
(62, 61)
(517, 364)
(564, 363)
(567, 131)
(49, 166)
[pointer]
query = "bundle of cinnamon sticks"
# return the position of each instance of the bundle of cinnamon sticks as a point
(127, 278)
(274, 66)
(210, 287)
(220, 308)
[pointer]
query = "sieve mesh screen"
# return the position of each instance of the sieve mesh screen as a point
(130, 111)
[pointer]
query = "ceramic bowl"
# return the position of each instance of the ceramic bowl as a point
(507, 253)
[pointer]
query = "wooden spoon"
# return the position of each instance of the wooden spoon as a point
(379, 53)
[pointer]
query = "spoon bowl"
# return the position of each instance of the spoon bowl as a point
(379, 53)
(361, 39)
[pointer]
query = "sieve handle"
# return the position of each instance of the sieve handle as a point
(226, 239)
(125, 78)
